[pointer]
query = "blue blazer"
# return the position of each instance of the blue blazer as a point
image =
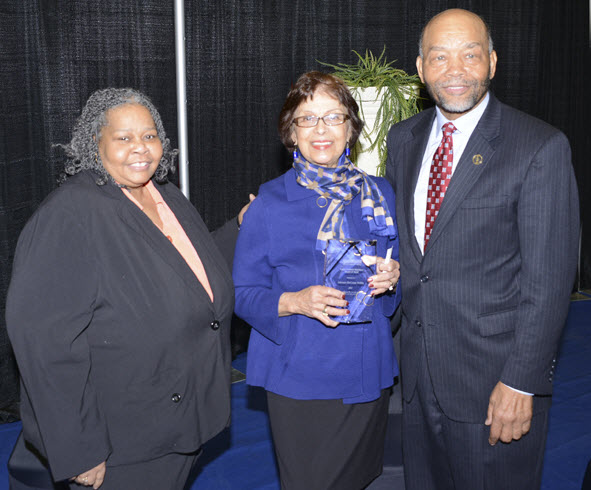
(297, 356)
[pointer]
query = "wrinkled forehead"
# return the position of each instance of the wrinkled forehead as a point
(457, 29)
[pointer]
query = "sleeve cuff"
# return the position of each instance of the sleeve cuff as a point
(519, 391)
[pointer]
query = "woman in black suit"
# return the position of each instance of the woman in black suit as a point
(119, 310)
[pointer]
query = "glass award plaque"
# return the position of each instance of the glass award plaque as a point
(346, 270)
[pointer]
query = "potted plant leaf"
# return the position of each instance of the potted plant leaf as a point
(386, 95)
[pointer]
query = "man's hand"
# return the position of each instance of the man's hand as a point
(509, 414)
(92, 478)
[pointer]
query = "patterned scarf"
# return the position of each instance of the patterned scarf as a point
(338, 186)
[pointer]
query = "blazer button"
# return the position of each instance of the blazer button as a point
(424, 278)
(176, 397)
(215, 325)
(418, 324)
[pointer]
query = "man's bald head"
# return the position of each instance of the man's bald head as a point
(453, 14)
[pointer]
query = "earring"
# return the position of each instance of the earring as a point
(296, 153)
(347, 150)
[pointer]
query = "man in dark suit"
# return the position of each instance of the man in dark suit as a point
(488, 249)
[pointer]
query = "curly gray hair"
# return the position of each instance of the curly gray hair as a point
(82, 151)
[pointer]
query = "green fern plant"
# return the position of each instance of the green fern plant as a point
(399, 92)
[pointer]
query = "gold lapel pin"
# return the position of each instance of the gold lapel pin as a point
(477, 159)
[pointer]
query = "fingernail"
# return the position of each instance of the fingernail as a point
(347, 304)
(348, 312)
(344, 296)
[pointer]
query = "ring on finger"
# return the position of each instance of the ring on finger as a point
(85, 480)
(324, 312)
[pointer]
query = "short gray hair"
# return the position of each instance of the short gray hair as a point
(82, 150)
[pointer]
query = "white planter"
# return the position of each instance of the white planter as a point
(369, 100)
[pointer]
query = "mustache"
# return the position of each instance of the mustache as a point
(459, 83)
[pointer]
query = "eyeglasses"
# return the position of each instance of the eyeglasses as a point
(311, 121)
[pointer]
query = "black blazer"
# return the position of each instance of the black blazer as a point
(491, 292)
(123, 356)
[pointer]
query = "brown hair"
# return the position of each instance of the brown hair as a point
(307, 85)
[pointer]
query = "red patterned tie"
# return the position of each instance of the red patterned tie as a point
(439, 177)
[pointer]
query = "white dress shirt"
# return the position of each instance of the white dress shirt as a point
(464, 127)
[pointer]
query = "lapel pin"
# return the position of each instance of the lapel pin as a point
(477, 159)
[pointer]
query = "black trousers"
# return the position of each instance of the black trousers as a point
(327, 445)
(442, 454)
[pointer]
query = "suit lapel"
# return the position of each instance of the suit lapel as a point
(136, 220)
(414, 151)
(475, 159)
(213, 262)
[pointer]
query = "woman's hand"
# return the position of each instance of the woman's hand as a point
(93, 477)
(387, 275)
(315, 302)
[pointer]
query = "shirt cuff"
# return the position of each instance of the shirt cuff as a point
(519, 391)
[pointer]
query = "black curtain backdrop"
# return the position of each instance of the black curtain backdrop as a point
(242, 57)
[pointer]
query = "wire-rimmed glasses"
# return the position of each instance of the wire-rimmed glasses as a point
(334, 119)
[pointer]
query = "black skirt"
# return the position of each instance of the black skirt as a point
(326, 444)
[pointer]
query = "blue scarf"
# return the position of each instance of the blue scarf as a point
(337, 186)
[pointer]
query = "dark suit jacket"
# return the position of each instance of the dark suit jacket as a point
(123, 356)
(491, 293)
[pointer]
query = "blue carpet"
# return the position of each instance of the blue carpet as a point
(241, 458)
(568, 447)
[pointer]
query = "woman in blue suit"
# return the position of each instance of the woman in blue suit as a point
(327, 383)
